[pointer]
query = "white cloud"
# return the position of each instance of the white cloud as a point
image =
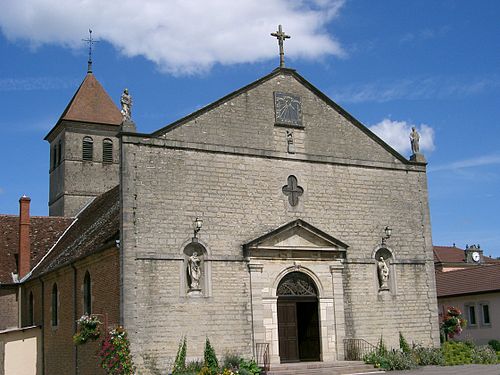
(180, 36)
(397, 135)
(468, 163)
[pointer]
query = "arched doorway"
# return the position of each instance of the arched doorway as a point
(298, 318)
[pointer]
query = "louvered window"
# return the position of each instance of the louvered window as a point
(107, 151)
(88, 149)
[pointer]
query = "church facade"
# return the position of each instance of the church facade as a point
(292, 196)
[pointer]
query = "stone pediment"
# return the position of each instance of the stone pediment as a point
(296, 239)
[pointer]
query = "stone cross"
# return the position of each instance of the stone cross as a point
(90, 41)
(292, 190)
(281, 36)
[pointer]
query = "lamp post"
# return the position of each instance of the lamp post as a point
(197, 224)
(388, 233)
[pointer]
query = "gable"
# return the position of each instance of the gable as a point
(297, 239)
(247, 118)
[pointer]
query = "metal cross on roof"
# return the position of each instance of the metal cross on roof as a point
(281, 36)
(90, 41)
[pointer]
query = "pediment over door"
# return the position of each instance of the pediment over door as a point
(296, 240)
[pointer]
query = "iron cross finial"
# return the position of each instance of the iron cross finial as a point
(90, 41)
(281, 36)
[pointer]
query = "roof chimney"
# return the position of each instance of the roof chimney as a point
(24, 257)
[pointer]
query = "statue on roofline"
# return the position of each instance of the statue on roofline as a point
(414, 141)
(126, 102)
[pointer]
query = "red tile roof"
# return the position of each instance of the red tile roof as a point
(96, 228)
(91, 103)
(44, 232)
(452, 254)
(472, 280)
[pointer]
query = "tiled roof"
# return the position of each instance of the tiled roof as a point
(91, 103)
(96, 227)
(448, 254)
(472, 280)
(44, 232)
(452, 254)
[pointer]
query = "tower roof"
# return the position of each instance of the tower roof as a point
(91, 103)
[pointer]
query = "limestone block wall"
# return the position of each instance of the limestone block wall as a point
(237, 192)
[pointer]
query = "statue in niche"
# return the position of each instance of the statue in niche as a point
(414, 141)
(194, 271)
(383, 273)
(289, 141)
(126, 102)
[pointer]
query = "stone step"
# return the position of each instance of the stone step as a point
(323, 368)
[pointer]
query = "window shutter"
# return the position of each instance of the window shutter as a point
(107, 151)
(88, 149)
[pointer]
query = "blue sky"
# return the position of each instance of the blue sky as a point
(391, 64)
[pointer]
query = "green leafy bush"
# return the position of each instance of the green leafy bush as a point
(457, 353)
(248, 367)
(495, 345)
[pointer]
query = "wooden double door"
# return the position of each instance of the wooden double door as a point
(298, 329)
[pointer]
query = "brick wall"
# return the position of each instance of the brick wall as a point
(60, 352)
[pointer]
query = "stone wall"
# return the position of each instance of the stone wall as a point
(228, 165)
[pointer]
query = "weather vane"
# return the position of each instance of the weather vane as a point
(90, 41)
(281, 36)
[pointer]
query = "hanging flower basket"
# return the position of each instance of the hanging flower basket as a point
(453, 323)
(88, 329)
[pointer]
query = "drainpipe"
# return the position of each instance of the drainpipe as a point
(75, 347)
(43, 327)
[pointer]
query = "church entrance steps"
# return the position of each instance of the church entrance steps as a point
(323, 368)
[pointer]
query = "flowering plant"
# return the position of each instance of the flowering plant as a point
(88, 328)
(453, 322)
(115, 353)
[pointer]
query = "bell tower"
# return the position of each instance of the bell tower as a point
(84, 150)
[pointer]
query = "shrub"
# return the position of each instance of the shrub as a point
(495, 345)
(249, 367)
(381, 348)
(403, 344)
(391, 360)
(231, 361)
(428, 356)
(484, 355)
(457, 353)
(180, 358)
(210, 358)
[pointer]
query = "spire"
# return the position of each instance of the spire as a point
(90, 41)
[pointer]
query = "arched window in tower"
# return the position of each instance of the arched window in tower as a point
(107, 151)
(55, 303)
(31, 312)
(88, 149)
(87, 294)
(59, 152)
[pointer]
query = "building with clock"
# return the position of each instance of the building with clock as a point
(270, 221)
(470, 281)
